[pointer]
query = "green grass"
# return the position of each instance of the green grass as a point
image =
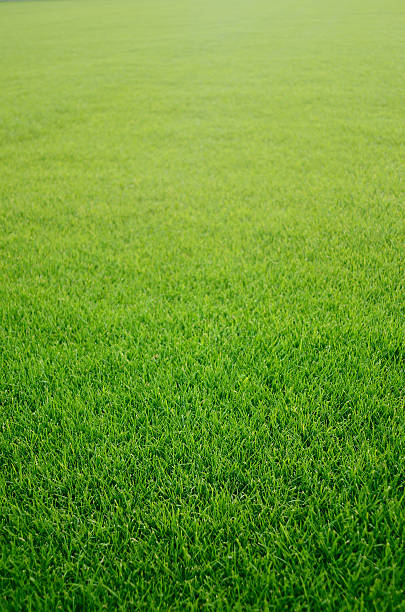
(202, 305)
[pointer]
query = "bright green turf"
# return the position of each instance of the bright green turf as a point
(202, 304)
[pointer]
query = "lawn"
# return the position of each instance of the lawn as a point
(202, 300)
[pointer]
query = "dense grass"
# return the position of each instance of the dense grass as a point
(202, 304)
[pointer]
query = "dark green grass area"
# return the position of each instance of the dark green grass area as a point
(202, 305)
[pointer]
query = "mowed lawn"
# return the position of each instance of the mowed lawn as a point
(202, 238)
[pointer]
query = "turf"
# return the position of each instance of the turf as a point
(202, 305)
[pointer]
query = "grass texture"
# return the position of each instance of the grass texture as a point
(202, 305)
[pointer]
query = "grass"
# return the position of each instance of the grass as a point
(202, 305)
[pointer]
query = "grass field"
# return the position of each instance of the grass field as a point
(202, 304)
